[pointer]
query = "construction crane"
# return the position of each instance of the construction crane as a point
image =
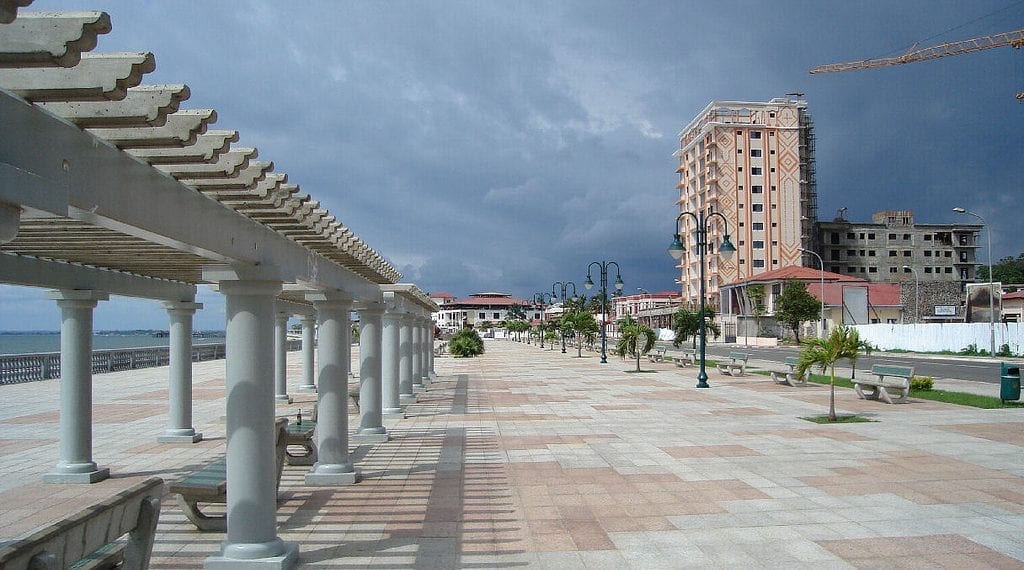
(1014, 39)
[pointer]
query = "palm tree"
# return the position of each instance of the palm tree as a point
(635, 338)
(582, 323)
(842, 343)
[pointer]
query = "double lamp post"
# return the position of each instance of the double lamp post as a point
(589, 284)
(725, 251)
(563, 286)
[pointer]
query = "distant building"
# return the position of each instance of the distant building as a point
(892, 246)
(1013, 307)
(477, 308)
(754, 164)
(652, 309)
(848, 300)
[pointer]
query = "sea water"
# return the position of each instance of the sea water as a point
(31, 342)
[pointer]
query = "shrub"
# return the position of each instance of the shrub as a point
(921, 383)
(1004, 351)
(466, 343)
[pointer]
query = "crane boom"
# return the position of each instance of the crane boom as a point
(1015, 39)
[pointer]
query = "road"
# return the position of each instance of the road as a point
(980, 370)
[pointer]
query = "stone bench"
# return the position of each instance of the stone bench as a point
(210, 485)
(118, 530)
(657, 356)
(788, 377)
(736, 366)
(886, 378)
(686, 357)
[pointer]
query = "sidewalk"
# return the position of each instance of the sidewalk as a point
(524, 457)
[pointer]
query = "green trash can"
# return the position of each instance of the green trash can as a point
(1009, 388)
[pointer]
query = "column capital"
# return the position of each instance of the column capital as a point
(87, 296)
(182, 306)
(253, 287)
(370, 308)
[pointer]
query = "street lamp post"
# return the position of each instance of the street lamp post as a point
(589, 284)
(539, 298)
(821, 276)
(563, 286)
(725, 250)
(917, 293)
(991, 293)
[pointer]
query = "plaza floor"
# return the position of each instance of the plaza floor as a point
(531, 458)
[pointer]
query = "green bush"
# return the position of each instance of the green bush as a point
(466, 343)
(920, 383)
(1004, 351)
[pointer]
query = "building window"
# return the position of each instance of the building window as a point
(834, 268)
(758, 263)
(927, 237)
(772, 169)
(906, 253)
(835, 255)
(482, 315)
(892, 253)
(497, 316)
(871, 236)
(927, 269)
(871, 253)
(950, 270)
(756, 189)
(906, 237)
(771, 152)
(773, 188)
(963, 256)
(927, 253)
(892, 236)
(755, 170)
(851, 253)
(834, 238)
(775, 224)
(757, 244)
(739, 169)
(851, 235)
(755, 134)
(757, 226)
(872, 269)
(755, 152)
(757, 207)
(892, 270)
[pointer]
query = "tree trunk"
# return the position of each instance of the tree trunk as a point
(832, 396)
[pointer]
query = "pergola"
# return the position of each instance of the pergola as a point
(109, 187)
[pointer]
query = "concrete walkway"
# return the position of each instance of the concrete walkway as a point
(523, 457)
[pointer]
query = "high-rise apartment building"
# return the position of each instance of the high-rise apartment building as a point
(753, 163)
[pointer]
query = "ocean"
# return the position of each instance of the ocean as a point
(25, 343)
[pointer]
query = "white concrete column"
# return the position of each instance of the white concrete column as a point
(430, 351)
(75, 464)
(251, 539)
(426, 347)
(334, 466)
(371, 427)
(390, 364)
(281, 357)
(417, 353)
(179, 386)
(405, 340)
(308, 344)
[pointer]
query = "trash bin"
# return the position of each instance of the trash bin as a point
(1009, 388)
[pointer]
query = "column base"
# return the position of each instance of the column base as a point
(330, 479)
(393, 414)
(289, 559)
(406, 399)
(180, 438)
(370, 438)
(308, 389)
(100, 474)
(283, 398)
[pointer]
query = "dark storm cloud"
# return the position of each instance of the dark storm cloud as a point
(504, 146)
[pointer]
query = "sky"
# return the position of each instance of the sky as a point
(503, 146)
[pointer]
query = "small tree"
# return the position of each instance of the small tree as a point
(842, 343)
(635, 338)
(795, 306)
(756, 294)
(686, 324)
(466, 343)
(583, 324)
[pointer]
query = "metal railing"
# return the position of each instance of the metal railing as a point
(17, 368)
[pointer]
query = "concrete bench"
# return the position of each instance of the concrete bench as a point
(657, 356)
(886, 378)
(118, 530)
(788, 377)
(686, 357)
(210, 485)
(736, 366)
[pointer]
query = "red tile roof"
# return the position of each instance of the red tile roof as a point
(798, 273)
(1014, 295)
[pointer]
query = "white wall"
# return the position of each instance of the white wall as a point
(936, 337)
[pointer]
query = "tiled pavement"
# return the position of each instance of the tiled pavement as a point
(523, 457)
